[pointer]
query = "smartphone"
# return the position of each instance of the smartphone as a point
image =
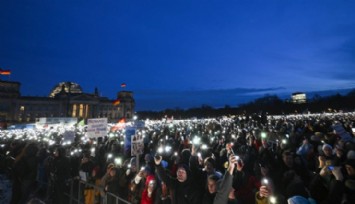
(239, 160)
(264, 181)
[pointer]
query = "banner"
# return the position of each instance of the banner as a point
(129, 132)
(97, 127)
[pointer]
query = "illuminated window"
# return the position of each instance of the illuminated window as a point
(87, 110)
(81, 110)
(74, 111)
(22, 108)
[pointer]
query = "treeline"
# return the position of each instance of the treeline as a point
(269, 104)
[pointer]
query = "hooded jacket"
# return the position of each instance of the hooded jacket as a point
(186, 192)
(146, 198)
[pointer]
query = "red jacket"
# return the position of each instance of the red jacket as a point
(145, 198)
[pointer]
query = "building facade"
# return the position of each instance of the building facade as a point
(65, 100)
(299, 98)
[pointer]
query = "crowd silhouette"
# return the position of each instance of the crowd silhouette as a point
(236, 159)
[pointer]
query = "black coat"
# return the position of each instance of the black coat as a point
(113, 188)
(183, 192)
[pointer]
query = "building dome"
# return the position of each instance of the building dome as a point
(68, 87)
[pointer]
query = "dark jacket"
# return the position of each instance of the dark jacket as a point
(208, 197)
(112, 188)
(245, 186)
(183, 192)
(326, 190)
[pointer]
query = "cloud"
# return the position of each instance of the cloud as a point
(234, 91)
(341, 61)
(162, 99)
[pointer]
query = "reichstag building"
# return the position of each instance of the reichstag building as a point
(66, 99)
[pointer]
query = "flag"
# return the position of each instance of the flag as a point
(121, 124)
(5, 72)
(123, 85)
(81, 123)
(122, 120)
(116, 102)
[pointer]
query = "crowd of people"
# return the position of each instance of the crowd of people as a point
(234, 160)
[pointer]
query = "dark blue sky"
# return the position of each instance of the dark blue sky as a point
(179, 53)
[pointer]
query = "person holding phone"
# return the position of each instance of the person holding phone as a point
(327, 186)
(184, 189)
(244, 183)
(225, 189)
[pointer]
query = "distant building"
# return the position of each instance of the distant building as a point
(65, 100)
(299, 97)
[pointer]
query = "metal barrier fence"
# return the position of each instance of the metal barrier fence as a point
(78, 197)
(75, 193)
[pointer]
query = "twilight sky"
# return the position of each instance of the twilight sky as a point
(179, 53)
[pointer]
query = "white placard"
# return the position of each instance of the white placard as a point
(137, 145)
(97, 127)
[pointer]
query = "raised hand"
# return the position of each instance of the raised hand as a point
(157, 160)
(264, 192)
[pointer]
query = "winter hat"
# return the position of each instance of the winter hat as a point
(298, 200)
(351, 154)
(185, 167)
(185, 156)
(132, 162)
(326, 146)
(149, 179)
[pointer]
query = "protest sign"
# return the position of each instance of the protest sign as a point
(97, 127)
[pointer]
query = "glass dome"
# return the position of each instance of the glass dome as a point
(71, 87)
